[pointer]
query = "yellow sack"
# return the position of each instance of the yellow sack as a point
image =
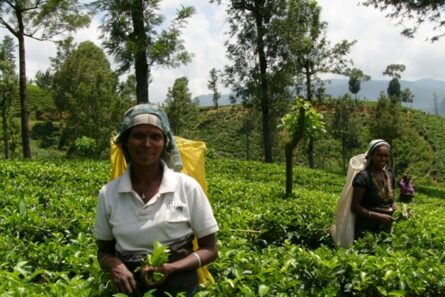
(192, 155)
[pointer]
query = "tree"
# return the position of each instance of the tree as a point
(311, 52)
(385, 120)
(132, 33)
(394, 71)
(8, 86)
(253, 50)
(435, 104)
(302, 122)
(345, 127)
(356, 76)
(41, 20)
(87, 84)
(64, 49)
(179, 106)
(414, 10)
(394, 89)
(406, 96)
(212, 84)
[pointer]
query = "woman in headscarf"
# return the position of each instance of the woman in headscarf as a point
(373, 192)
(151, 202)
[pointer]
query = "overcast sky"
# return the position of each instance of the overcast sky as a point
(379, 44)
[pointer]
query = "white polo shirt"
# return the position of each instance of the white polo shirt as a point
(180, 208)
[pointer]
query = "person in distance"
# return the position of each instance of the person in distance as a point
(373, 192)
(151, 202)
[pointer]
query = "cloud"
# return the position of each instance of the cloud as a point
(379, 44)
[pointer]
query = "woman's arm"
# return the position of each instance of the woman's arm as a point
(121, 277)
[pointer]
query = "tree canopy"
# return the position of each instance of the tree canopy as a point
(134, 33)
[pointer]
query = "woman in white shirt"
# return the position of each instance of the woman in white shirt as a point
(151, 202)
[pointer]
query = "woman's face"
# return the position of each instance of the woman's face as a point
(380, 157)
(145, 145)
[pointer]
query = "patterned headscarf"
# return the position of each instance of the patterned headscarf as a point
(153, 115)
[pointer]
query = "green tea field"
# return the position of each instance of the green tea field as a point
(269, 245)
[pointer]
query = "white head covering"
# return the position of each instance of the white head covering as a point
(374, 144)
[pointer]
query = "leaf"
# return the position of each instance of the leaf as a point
(263, 290)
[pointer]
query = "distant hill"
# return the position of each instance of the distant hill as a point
(423, 91)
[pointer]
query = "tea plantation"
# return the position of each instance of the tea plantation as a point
(269, 245)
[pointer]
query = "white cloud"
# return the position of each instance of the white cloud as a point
(379, 44)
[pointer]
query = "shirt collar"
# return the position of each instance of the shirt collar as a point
(168, 183)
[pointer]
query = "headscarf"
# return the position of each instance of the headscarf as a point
(153, 115)
(374, 144)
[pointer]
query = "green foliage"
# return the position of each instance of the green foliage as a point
(268, 246)
(84, 147)
(386, 122)
(87, 84)
(46, 132)
(134, 33)
(313, 121)
(212, 84)
(345, 127)
(158, 257)
(356, 76)
(394, 91)
(180, 108)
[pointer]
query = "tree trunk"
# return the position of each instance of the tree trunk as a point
(289, 169)
(310, 147)
(289, 149)
(5, 133)
(267, 142)
(310, 152)
(26, 145)
(140, 56)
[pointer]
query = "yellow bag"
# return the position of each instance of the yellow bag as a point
(192, 155)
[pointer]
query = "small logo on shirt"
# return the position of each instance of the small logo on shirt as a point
(175, 205)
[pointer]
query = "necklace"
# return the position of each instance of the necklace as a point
(142, 193)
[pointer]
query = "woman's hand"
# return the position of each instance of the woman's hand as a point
(155, 276)
(121, 277)
(381, 217)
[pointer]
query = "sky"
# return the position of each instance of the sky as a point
(379, 43)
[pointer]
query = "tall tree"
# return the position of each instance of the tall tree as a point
(416, 12)
(86, 82)
(212, 84)
(313, 52)
(395, 72)
(356, 76)
(179, 106)
(253, 52)
(41, 20)
(8, 86)
(133, 32)
(64, 49)
(385, 120)
(344, 127)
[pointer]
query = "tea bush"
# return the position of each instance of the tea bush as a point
(269, 245)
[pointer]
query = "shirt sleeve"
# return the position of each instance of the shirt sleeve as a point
(361, 180)
(202, 220)
(102, 229)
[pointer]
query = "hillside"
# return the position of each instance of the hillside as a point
(422, 147)
(423, 91)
